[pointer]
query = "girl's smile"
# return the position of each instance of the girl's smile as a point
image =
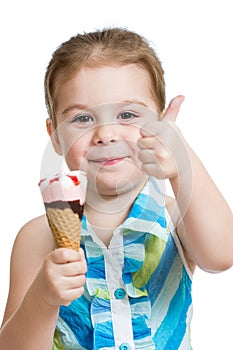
(108, 161)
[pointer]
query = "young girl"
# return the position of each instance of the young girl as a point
(129, 287)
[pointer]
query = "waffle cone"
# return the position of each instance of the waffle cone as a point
(65, 226)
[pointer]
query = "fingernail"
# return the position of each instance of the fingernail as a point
(180, 98)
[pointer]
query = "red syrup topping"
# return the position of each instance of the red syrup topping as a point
(74, 179)
(40, 182)
(53, 180)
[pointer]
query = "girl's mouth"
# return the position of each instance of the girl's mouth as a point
(109, 161)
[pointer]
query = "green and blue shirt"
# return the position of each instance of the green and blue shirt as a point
(138, 290)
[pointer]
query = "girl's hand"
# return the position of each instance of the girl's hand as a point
(62, 277)
(162, 149)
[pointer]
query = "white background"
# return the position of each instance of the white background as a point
(194, 42)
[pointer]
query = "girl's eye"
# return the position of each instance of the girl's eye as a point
(127, 116)
(83, 119)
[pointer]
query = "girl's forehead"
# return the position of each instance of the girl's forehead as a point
(107, 74)
(93, 86)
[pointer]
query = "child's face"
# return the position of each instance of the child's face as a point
(99, 115)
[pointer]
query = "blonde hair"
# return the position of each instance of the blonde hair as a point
(115, 46)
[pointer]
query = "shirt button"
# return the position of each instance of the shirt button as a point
(124, 346)
(120, 294)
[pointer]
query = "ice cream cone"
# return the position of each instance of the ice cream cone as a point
(65, 226)
(64, 203)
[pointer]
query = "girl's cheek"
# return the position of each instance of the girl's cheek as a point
(132, 137)
(74, 157)
(74, 142)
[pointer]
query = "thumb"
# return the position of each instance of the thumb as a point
(173, 108)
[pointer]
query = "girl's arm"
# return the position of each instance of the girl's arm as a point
(28, 322)
(206, 230)
(40, 281)
(205, 221)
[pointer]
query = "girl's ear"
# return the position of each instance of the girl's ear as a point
(53, 136)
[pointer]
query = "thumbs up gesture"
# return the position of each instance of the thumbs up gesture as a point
(162, 149)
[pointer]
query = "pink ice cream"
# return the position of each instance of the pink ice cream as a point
(64, 187)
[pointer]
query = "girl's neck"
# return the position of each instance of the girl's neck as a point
(105, 213)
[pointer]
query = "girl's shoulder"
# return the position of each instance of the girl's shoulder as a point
(32, 244)
(36, 235)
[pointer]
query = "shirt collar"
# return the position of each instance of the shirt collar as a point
(147, 215)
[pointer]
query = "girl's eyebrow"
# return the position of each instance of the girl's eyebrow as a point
(76, 106)
(79, 106)
(133, 101)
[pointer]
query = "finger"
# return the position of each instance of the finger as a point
(74, 268)
(154, 169)
(146, 142)
(75, 282)
(151, 129)
(82, 254)
(149, 142)
(173, 108)
(146, 156)
(65, 255)
(71, 295)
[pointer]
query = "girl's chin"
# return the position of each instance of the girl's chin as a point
(112, 185)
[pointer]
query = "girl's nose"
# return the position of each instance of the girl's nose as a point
(105, 134)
